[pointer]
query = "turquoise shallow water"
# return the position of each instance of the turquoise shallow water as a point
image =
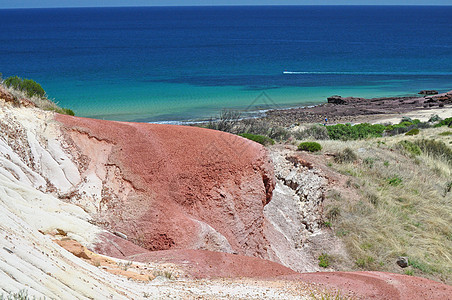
(182, 63)
(182, 102)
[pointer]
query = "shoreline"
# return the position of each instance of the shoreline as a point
(359, 110)
(349, 110)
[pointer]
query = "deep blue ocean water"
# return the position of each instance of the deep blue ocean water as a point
(185, 63)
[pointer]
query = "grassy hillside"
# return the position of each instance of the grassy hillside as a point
(395, 200)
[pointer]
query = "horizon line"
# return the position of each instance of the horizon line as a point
(235, 5)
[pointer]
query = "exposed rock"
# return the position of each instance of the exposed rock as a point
(336, 100)
(295, 212)
(402, 262)
(6, 96)
(173, 183)
(344, 101)
(347, 109)
(74, 247)
(428, 92)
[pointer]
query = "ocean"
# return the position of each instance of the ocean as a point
(167, 64)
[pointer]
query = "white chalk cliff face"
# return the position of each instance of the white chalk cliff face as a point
(33, 166)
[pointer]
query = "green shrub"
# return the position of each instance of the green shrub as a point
(446, 133)
(394, 181)
(30, 87)
(446, 122)
(345, 156)
(327, 224)
(434, 118)
(261, 139)
(310, 146)
(63, 111)
(414, 131)
(369, 162)
(410, 148)
(409, 272)
(406, 119)
(419, 265)
(324, 260)
(68, 111)
(365, 262)
(355, 132)
(436, 149)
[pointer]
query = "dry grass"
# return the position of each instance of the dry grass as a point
(394, 204)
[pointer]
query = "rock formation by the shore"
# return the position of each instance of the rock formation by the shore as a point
(428, 92)
(344, 109)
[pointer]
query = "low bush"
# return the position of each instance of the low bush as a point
(355, 132)
(366, 130)
(261, 139)
(434, 118)
(30, 87)
(310, 146)
(364, 262)
(446, 133)
(333, 213)
(254, 126)
(63, 111)
(345, 156)
(324, 260)
(437, 149)
(369, 162)
(446, 122)
(394, 180)
(226, 122)
(26, 88)
(410, 148)
(279, 133)
(414, 131)
(315, 132)
(406, 119)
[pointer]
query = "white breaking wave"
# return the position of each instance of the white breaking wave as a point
(366, 73)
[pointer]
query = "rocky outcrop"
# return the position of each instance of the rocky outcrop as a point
(7, 97)
(346, 109)
(343, 101)
(294, 215)
(428, 92)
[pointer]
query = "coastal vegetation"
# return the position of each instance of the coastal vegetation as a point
(32, 91)
(30, 87)
(310, 146)
(231, 121)
(446, 122)
(261, 139)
